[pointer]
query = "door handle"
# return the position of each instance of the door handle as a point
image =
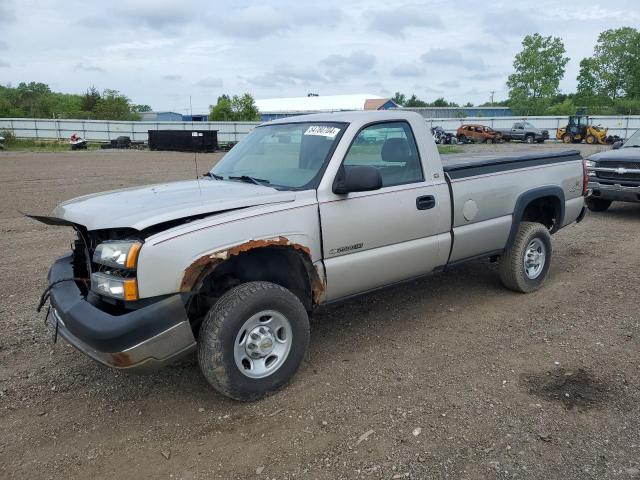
(425, 202)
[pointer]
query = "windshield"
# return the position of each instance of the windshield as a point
(527, 125)
(287, 155)
(634, 140)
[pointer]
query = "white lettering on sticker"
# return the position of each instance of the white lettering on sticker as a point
(323, 131)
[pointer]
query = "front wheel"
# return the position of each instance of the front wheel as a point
(524, 266)
(253, 340)
(489, 140)
(598, 204)
(528, 139)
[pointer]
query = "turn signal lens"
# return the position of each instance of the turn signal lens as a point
(114, 287)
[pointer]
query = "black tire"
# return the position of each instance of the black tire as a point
(221, 326)
(598, 204)
(512, 268)
(567, 138)
(489, 140)
(529, 139)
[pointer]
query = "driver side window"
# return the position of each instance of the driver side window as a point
(391, 148)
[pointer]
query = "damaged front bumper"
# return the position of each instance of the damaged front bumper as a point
(148, 337)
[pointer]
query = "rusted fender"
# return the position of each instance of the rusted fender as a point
(205, 265)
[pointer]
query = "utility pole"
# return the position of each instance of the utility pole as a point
(492, 92)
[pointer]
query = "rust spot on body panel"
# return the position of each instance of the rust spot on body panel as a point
(205, 265)
(121, 360)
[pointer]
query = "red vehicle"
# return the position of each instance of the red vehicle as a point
(478, 134)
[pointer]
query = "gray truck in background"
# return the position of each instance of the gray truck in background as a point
(525, 132)
(614, 175)
(303, 212)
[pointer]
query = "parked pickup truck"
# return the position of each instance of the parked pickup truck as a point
(614, 175)
(525, 132)
(299, 214)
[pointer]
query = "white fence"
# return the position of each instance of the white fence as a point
(102, 130)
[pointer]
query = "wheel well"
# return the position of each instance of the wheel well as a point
(544, 210)
(288, 265)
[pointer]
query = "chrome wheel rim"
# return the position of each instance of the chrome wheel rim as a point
(263, 344)
(535, 257)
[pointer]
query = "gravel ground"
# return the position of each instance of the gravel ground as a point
(448, 377)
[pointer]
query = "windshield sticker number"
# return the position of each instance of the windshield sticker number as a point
(322, 131)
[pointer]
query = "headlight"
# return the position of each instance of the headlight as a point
(118, 254)
(116, 287)
(590, 164)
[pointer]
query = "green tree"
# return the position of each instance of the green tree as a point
(441, 102)
(141, 108)
(90, 99)
(539, 67)
(399, 98)
(613, 71)
(414, 102)
(236, 108)
(113, 105)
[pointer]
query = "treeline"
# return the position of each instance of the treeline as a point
(413, 101)
(36, 100)
(608, 82)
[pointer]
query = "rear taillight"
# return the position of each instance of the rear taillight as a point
(585, 179)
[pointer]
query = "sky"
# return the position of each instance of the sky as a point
(161, 52)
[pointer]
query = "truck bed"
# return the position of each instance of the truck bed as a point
(462, 165)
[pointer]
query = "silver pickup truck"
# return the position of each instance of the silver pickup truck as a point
(303, 212)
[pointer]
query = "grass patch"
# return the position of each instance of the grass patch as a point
(33, 145)
(446, 149)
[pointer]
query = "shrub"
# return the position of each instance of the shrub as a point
(9, 136)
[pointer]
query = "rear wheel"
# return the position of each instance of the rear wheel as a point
(253, 340)
(598, 204)
(524, 266)
(567, 138)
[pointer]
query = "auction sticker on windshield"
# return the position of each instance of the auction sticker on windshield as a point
(322, 130)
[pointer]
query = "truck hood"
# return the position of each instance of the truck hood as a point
(628, 154)
(142, 207)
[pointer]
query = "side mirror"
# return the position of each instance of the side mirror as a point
(617, 144)
(357, 178)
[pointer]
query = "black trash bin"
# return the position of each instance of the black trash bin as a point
(184, 140)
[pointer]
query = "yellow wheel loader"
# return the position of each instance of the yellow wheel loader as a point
(579, 128)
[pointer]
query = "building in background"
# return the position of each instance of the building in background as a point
(272, 108)
(161, 117)
(461, 112)
(196, 117)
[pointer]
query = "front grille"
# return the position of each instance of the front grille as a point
(626, 176)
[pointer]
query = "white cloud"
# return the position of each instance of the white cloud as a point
(395, 21)
(340, 66)
(406, 70)
(452, 57)
(210, 82)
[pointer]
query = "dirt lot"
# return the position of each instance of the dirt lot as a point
(447, 377)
